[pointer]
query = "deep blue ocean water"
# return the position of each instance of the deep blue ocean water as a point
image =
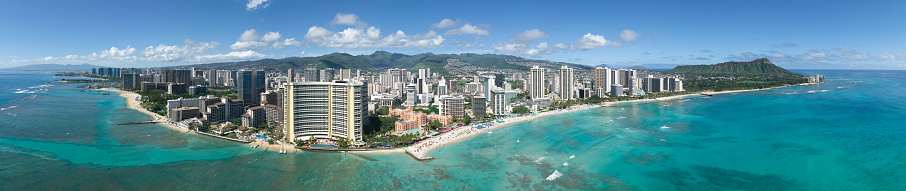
(846, 134)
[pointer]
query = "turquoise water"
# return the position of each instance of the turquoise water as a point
(846, 134)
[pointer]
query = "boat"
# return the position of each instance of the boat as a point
(105, 93)
(255, 146)
(282, 151)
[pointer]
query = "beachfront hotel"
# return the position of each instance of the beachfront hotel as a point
(537, 82)
(325, 110)
(567, 82)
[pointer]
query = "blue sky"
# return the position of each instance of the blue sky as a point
(793, 34)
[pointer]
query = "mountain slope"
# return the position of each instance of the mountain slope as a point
(761, 66)
(383, 60)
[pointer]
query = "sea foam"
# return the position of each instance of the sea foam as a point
(554, 175)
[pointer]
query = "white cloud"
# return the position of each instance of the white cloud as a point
(189, 50)
(590, 41)
(256, 4)
(528, 36)
(114, 54)
(371, 38)
(251, 40)
(315, 33)
(302, 53)
(348, 19)
(286, 42)
(628, 35)
(446, 23)
(468, 29)
(248, 45)
(229, 57)
(249, 35)
(812, 56)
(272, 36)
(886, 56)
(521, 44)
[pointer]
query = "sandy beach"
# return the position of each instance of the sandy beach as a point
(133, 103)
(463, 133)
(132, 100)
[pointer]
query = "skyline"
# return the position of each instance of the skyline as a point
(795, 35)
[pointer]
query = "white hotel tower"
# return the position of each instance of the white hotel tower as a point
(325, 110)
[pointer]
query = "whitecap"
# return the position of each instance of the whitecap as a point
(555, 175)
(10, 107)
(539, 160)
(621, 117)
(566, 164)
(665, 127)
(572, 157)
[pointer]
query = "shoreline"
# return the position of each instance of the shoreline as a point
(132, 103)
(420, 149)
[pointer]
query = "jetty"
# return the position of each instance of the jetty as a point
(139, 122)
(222, 137)
(422, 159)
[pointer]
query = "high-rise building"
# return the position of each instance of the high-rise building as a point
(567, 83)
(488, 85)
(499, 79)
(601, 77)
(422, 72)
(328, 75)
(343, 74)
(653, 85)
(627, 76)
(312, 75)
(479, 105)
(537, 89)
(499, 102)
(411, 95)
(131, 81)
(251, 84)
(616, 90)
(442, 87)
(195, 90)
(673, 84)
(325, 110)
(176, 76)
(454, 106)
(290, 76)
(452, 85)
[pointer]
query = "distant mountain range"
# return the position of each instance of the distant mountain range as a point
(761, 66)
(53, 67)
(383, 60)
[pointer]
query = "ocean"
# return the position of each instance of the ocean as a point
(846, 134)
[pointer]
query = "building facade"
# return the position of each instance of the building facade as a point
(251, 84)
(325, 110)
(567, 83)
(537, 83)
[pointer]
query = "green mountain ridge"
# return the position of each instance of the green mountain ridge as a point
(761, 66)
(383, 60)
